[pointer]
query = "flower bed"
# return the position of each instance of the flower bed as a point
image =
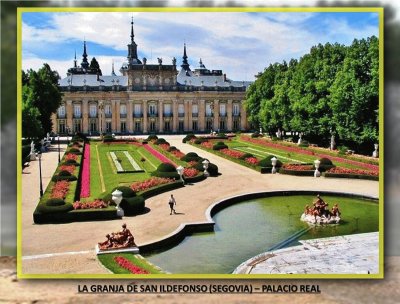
(190, 172)
(297, 167)
(232, 153)
(68, 168)
(126, 264)
(207, 144)
(60, 189)
(340, 170)
(294, 149)
(85, 177)
(71, 157)
(97, 204)
(150, 183)
(157, 154)
(252, 161)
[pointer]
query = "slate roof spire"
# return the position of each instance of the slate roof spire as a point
(185, 64)
(85, 63)
(132, 33)
(75, 63)
(112, 71)
(132, 49)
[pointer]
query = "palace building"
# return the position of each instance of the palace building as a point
(149, 98)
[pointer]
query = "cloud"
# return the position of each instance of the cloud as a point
(241, 44)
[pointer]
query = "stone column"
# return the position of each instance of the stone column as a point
(229, 113)
(190, 115)
(161, 115)
(202, 115)
(118, 116)
(144, 109)
(55, 123)
(129, 117)
(70, 114)
(175, 115)
(85, 116)
(216, 115)
(186, 117)
(243, 117)
(114, 116)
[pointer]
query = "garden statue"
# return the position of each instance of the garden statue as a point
(333, 143)
(32, 154)
(300, 139)
(279, 134)
(375, 153)
(118, 240)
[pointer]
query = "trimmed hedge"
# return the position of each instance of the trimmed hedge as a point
(173, 175)
(69, 178)
(246, 155)
(132, 205)
(188, 137)
(356, 176)
(297, 172)
(212, 168)
(26, 151)
(126, 191)
(219, 146)
(64, 173)
(108, 138)
(80, 215)
(325, 164)
(198, 141)
(152, 137)
(166, 167)
(160, 141)
(195, 179)
(44, 208)
(191, 156)
(70, 162)
(266, 162)
(172, 148)
(55, 202)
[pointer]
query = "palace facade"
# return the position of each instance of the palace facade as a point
(149, 98)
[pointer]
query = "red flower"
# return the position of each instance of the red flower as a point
(69, 168)
(164, 146)
(190, 172)
(126, 264)
(60, 189)
(340, 170)
(150, 183)
(97, 204)
(232, 153)
(298, 167)
(252, 161)
(207, 145)
(71, 156)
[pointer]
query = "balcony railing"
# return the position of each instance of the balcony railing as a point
(152, 114)
(222, 114)
(108, 115)
(121, 115)
(236, 114)
(137, 115)
(168, 114)
(181, 114)
(61, 116)
(195, 114)
(209, 115)
(92, 115)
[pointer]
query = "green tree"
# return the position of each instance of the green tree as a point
(40, 90)
(31, 125)
(95, 66)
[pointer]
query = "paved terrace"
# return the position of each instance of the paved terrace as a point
(69, 248)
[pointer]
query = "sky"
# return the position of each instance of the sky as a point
(240, 44)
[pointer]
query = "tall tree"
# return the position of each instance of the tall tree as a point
(41, 91)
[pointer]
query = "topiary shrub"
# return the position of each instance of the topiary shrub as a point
(198, 141)
(266, 162)
(172, 148)
(132, 205)
(212, 168)
(246, 155)
(166, 167)
(44, 208)
(219, 146)
(55, 202)
(256, 134)
(73, 150)
(191, 156)
(325, 164)
(64, 173)
(70, 178)
(108, 138)
(126, 191)
(160, 141)
(70, 162)
(173, 175)
(188, 137)
(152, 137)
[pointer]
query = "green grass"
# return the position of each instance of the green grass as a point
(111, 178)
(108, 261)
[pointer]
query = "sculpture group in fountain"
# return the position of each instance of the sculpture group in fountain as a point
(319, 213)
(118, 240)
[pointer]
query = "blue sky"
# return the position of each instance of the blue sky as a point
(241, 44)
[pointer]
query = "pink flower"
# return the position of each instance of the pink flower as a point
(207, 145)
(158, 155)
(126, 264)
(71, 156)
(60, 189)
(340, 170)
(252, 161)
(97, 204)
(69, 168)
(85, 178)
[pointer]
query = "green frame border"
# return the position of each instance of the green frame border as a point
(378, 10)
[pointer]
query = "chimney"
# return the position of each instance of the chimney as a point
(224, 77)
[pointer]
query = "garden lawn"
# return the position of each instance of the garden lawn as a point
(108, 171)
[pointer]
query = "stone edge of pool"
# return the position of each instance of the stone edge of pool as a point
(186, 229)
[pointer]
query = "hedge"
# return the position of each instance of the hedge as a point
(325, 164)
(172, 148)
(212, 168)
(55, 202)
(173, 175)
(267, 162)
(219, 146)
(357, 176)
(126, 191)
(160, 141)
(161, 189)
(108, 138)
(70, 162)
(132, 205)
(75, 216)
(297, 172)
(188, 137)
(196, 179)
(191, 156)
(246, 155)
(44, 208)
(26, 151)
(69, 178)
(166, 167)
(152, 137)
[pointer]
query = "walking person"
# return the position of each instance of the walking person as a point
(171, 203)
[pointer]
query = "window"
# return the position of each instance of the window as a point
(93, 110)
(181, 126)
(137, 126)
(222, 109)
(167, 126)
(61, 126)
(152, 109)
(108, 127)
(194, 125)
(122, 109)
(167, 109)
(123, 127)
(208, 109)
(195, 109)
(93, 126)
(138, 109)
(222, 125)
(152, 126)
(77, 125)
(107, 109)
(209, 124)
(236, 109)
(181, 110)
(77, 111)
(61, 111)
(236, 124)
